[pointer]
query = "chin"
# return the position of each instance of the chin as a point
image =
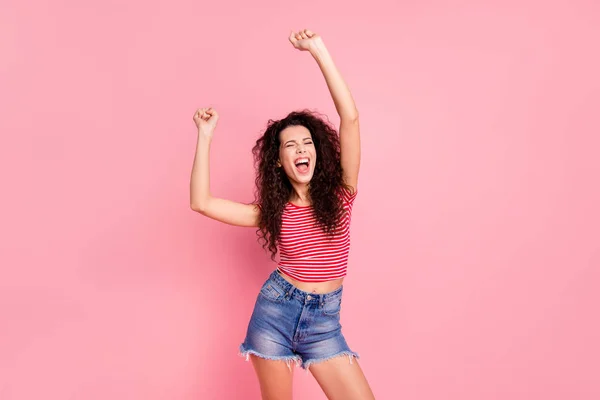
(301, 179)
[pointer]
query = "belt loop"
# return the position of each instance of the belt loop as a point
(289, 293)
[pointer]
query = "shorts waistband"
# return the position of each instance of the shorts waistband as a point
(292, 290)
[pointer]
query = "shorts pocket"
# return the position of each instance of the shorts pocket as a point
(332, 307)
(272, 292)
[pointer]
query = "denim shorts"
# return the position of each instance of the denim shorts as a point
(295, 326)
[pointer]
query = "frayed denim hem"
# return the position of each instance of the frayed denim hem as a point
(243, 352)
(351, 355)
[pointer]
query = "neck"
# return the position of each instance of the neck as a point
(300, 192)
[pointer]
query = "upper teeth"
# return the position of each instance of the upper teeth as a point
(301, 160)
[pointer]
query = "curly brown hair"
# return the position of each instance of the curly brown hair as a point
(273, 187)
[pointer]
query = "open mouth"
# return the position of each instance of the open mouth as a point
(302, 165)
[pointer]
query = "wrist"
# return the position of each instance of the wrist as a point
(204, 135)
(317, 47)
(321, 55)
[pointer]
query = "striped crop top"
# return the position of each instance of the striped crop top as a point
(306, 253)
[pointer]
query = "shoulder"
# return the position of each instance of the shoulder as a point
(349, 194)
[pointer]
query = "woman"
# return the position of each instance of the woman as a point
(306, 185)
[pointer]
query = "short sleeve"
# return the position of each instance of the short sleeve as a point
(349, 196)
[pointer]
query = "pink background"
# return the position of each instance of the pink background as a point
(475, 262)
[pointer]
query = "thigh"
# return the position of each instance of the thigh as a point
(275, 378)
(342, 378)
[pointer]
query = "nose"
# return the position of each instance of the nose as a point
(301, 149)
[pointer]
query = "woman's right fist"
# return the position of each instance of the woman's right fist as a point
(206, 120)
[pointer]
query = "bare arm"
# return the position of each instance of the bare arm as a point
(343, 100)
(201, 200)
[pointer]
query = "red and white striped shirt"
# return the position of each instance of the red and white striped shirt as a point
(306, 252)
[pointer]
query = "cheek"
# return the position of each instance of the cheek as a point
(285, 156)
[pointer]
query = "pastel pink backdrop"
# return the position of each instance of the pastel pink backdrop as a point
(475, 259)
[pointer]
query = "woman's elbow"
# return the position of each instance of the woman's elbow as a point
(351, 118)
(198, 207)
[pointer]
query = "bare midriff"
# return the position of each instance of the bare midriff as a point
(314, 287)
